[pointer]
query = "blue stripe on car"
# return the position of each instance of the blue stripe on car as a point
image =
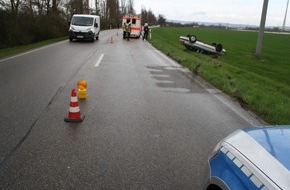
(234, 172)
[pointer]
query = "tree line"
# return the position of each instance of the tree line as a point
(28, 21)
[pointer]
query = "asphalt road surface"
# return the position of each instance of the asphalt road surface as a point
(148, 123)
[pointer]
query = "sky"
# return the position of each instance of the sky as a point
(246, 12)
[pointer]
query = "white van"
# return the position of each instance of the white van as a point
(84, 27)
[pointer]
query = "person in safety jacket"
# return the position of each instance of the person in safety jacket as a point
(128, 30)
(124, 30)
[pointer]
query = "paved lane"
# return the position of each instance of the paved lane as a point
(148, 125)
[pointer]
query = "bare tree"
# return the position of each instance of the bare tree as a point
(130, 7)
(144, 15)
(54, 6)
(75, 6)
(14, 5)
(148, 17)
(151, 18)
(97, 7)
(161, 20)
(103, 8)
(123, 7)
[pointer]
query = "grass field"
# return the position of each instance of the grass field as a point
(262, 84)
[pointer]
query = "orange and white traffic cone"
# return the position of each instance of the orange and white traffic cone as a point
(74, 114)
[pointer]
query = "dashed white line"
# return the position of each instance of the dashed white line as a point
(99, 60)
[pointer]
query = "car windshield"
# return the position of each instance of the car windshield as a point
(82, 21)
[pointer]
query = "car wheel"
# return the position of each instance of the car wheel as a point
(219, 47)
(70, 39)
(97, 37)
(192, 39)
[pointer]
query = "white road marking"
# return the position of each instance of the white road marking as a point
(31, 51)
(99, 60)
(165, 82)
(162, 76)
(181, 90)
(155, 70)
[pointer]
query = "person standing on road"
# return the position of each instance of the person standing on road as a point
(125, 30)
(145, 31)
(128, 30)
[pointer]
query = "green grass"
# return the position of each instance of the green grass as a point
(263, 84)
(20, 49)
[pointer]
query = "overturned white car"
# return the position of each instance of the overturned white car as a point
(191, 43)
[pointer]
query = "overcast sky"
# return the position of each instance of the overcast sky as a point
(227, 11)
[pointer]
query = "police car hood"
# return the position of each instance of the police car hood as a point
(267, 149)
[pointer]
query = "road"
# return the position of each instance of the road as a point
(148, 123)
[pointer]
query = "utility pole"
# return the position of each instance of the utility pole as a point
(262, 29)
(284, 23)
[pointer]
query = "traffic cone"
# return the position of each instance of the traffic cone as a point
(74, 114)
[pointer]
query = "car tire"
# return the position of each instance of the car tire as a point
(70, 39)
(192, 39)
(219, 47)
(213, 187)
(97, 37)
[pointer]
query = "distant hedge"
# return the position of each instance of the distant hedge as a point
(26, 29)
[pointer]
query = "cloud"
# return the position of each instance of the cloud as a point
(227, 11)
(200, 13)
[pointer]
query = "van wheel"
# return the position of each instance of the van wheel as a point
(97, 37)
